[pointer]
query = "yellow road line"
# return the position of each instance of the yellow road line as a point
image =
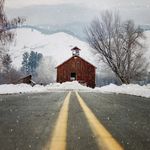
(104, 139)
(59, 136)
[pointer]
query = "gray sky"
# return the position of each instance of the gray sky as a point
(69, 11)
(90, 3)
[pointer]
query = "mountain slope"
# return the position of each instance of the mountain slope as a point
(57, 45)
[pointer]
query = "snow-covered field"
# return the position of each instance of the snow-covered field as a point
(132, 89)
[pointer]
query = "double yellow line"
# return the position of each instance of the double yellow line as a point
(104, 139)
(59, 136)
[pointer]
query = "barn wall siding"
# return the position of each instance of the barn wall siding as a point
(85, 71)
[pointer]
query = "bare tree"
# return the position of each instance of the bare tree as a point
(6, 37)
(118, 45)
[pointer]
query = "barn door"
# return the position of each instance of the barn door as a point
(73, 76)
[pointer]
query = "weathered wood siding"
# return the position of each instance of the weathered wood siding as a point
(85, 72)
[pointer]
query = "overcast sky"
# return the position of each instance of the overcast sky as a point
(91, 3)
(138, 10)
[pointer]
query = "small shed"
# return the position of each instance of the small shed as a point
(26, 80)
(76, 68)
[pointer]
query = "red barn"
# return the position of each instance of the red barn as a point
(76, 68)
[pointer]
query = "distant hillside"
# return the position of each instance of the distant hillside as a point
(70, 18)
(53, 44)
(145, 27)
(57, 45)
(76, 30)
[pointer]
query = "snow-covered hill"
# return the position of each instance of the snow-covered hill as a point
(57, 45)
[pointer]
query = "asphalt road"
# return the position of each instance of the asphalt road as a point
(74, 121)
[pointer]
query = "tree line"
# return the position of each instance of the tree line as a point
(30, 62)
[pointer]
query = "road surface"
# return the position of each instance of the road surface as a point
(74, 121)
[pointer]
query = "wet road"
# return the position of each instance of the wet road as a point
(74, 121)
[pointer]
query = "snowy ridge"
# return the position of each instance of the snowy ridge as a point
(131, 89)
(68, 86)
(20, 88)
(24, 88)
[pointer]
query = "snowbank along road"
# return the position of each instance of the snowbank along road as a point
(74, 121)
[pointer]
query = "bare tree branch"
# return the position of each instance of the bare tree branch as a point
(118, 44)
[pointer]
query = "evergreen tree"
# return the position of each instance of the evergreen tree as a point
(40, 56)
(31, 62)
(25, 63)
(7, 63)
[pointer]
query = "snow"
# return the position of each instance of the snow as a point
(24, 88)
(147, 46)
(131, 89)
(68, 86)
(20, 88)
(57, 45)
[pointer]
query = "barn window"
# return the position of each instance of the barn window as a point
(73, 76)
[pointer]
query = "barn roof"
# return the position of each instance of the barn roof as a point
(76, 48)
(71, 58)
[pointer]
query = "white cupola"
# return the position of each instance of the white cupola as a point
(75, 51)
